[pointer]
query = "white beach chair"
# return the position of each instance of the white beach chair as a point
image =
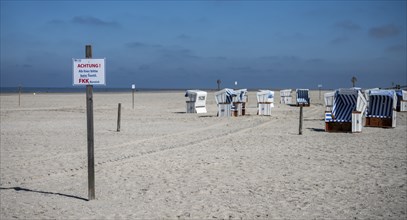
(285, 96)
(196, 102)
(401, 100)
(329, 101)
(265, 101)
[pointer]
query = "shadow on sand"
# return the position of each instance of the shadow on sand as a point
(179, 112)
(42, 192)
(316, 129)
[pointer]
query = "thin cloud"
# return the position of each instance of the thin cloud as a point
(92, 21)
(397, 48)
(24, 65)
(347, 25)
(56, 22)
(175, 53)
(339, 40)
(315, 60)
(183, 37)
(385, 31)
(141, 45)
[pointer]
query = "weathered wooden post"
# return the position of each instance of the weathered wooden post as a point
(89, 115)
(300, 127)
(132, 88)
(19, 96)
(319, 88)
(118, 116)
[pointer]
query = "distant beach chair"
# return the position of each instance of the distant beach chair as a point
(302, 97)
(347, 111)
(265, 101)
(224, 100)
(239, 102)
(329, 101)
(381, 111)
(196, 102)
(401, 100)
(285, 96)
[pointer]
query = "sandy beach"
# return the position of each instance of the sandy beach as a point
(165, 164)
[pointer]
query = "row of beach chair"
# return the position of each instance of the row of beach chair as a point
(346, 108)
(232, 102)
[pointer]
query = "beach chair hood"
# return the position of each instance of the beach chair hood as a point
(382, 103)
(265, 96)
(345, 102)
(240, 95)
(225, 96)
(303, 96)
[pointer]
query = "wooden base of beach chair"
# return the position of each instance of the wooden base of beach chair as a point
(338, 126)
(224, 110)
(264, 108)
(378, 122)
(240, 108)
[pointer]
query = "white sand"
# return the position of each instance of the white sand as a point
(166, 164)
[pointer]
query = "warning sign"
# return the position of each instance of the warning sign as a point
(89, 72)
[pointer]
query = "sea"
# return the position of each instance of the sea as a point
(83, 89)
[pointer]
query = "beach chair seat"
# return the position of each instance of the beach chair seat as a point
(303, 97)
(381, 111)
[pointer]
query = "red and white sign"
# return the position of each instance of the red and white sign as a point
(89, 72)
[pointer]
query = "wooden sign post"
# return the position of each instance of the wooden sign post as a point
(133, 87)
(119, 107)
(89, 72)
(89, 114)
(300, 127)
(19, 96)
(319, 88)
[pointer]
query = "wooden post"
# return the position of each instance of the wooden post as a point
(118, 116)
(19, 96)
(133, 97)
(89, 115)
(319, 93)
(300, 127)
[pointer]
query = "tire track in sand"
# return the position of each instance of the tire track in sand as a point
(185, 142)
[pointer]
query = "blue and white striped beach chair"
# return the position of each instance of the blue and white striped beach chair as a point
(344, 104)
(224, 99)
(347, 110)
(239, 102)
(381, 111)
(303, 97)
(225, 96)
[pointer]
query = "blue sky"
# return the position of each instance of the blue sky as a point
(183, 44)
